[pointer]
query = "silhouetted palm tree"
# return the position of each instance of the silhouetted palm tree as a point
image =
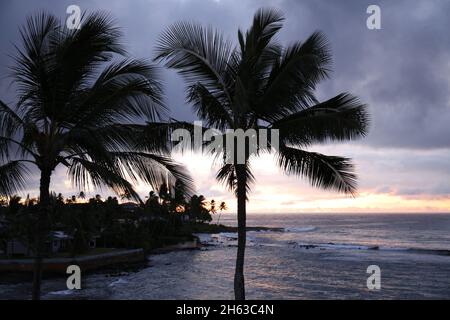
(222, 207)
(82, 195)
(125, 195)
(262, 85)
(212, 206)
(77, 105)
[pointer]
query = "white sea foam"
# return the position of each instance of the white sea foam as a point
(300, 229)
(224, 239)
(61, 293)
(118, 281)
(347, 246)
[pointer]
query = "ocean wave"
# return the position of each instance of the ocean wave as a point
(228, 239)
(300, 229)
(118, 281)
(346, 246)
(61, 293)
(440, 252)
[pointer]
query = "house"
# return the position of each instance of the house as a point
(59, 242)
(93, 242)
(16, 247)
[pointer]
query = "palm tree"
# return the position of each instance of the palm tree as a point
(222, 207)
(212, 206)
(78, 101)
(260, 84)
(82, 195)
(125, 196)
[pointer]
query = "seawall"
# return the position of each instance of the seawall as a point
(86, 263)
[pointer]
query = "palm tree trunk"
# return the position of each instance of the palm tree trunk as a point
(218, 220)
(44, 201)
(239, 284)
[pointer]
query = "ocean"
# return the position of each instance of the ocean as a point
(320, 256)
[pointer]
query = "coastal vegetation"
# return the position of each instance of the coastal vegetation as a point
(155, 223)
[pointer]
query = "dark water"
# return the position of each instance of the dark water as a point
(316, 257)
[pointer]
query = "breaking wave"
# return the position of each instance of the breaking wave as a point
(300, 229)
(344, 246)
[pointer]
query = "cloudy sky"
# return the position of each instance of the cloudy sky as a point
(401, 71)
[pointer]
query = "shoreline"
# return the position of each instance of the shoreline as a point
(195, 243)
(120, 259)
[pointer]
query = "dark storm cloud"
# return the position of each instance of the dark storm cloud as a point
(401, 71)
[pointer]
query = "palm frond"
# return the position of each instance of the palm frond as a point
(340, 118)
(259, 51)
(123, 91)
(200, 55)
(266, 23)
(10, 121)
(33, 63)
(327, 172)
(294, 76)
(156, 137)
(83, 173)
(78, 53)
(154, 170)
(13, 178)
(208, 107)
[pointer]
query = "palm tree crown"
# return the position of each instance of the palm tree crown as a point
(261, 84)
(77, 105)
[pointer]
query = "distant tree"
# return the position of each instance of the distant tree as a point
(152, 206)
(82, 195)
(125, 196)
(212, 207)
(72, 199)
(198, 210)
(3, 201)
(80, 223)
(222, 207)
(179, 197)
(60, 198)
(112, 201)
(30, 201)
(14, 204)
(164, 193)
